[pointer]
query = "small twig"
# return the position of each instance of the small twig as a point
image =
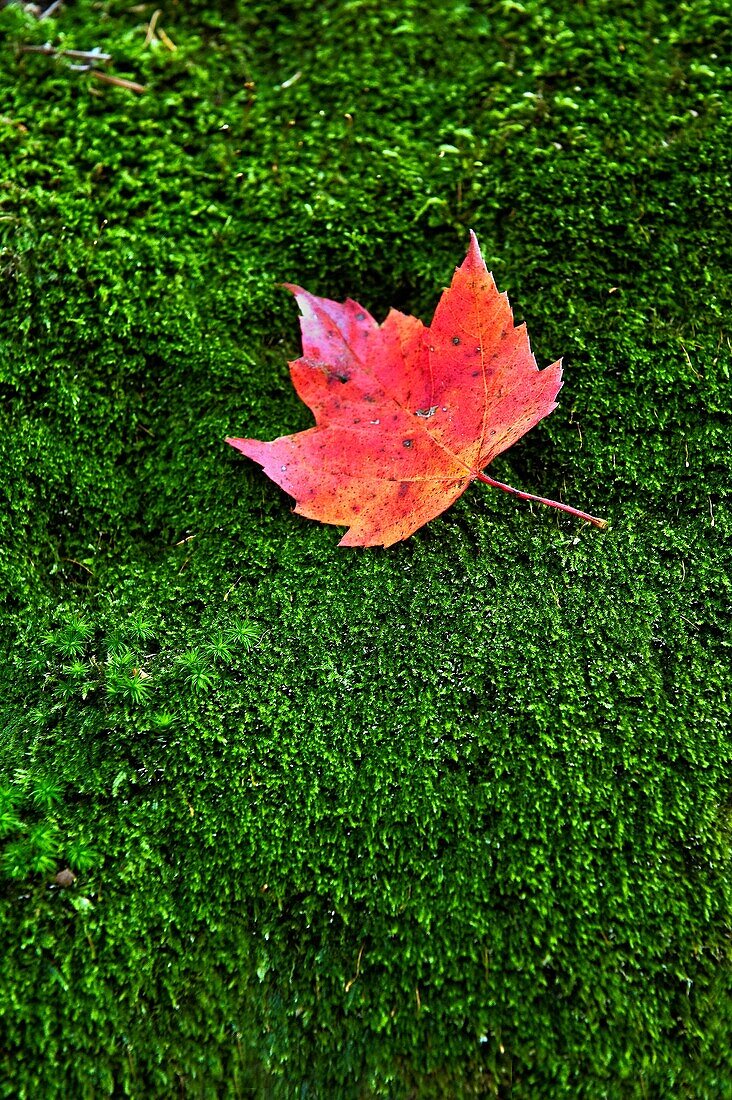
(77, 55)
(80, 564)
(358, 970)
(151, 26)
(152, 31)
(231, 589)
(87, 55)
(118, 81)
(47, 48)
(94, 56)
(49, 11)
(167, 41)
(692, 368)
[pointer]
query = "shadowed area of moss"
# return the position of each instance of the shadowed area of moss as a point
(450, 819)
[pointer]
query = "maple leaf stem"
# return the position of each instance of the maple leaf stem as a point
(601, 523)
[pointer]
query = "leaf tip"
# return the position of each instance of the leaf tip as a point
(242, 445)
(474, 253)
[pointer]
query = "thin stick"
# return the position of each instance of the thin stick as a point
(167, 42)
(49, 11)
(601, 523)
(86, 55)
(118, 81)
(151, 26)
(80, 564)
(77, 55)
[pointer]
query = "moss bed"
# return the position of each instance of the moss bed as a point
(281, 819)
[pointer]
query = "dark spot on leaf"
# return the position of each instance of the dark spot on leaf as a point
(360, 316)
(475, 374)
(403, 489)
(407, 442)
(456, 340)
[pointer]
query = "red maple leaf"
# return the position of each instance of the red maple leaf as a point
(406, 417)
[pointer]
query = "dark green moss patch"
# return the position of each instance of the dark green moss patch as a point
(279, 819)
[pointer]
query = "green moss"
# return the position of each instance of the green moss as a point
(449, 819)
